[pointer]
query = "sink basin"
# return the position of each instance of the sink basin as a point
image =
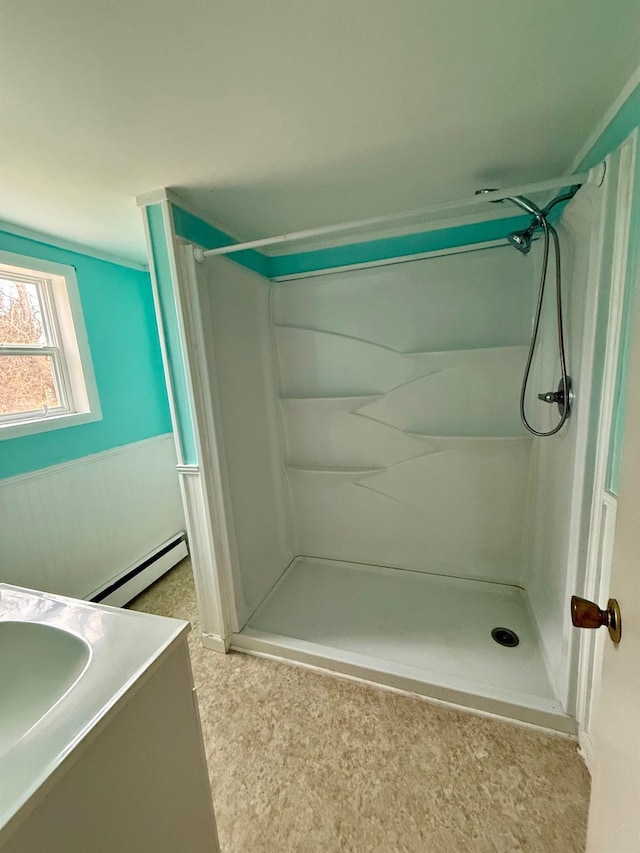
(38, 664)
(66, 667)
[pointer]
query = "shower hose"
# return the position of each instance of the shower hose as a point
(549, 230)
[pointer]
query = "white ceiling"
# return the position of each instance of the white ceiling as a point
(272, 115)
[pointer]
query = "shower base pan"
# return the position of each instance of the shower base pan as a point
(412, 631)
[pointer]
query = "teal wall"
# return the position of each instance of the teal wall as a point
(117, 304)
(170, 325)
(626, 120)
(620, 402)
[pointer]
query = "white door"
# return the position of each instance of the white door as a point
(614, 816)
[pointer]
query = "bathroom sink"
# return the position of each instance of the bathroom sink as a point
(66, 666)
(38, 664)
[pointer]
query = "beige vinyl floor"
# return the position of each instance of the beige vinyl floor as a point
(302, 762)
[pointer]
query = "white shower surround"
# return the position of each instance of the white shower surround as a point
(370, 417)
(288, 438)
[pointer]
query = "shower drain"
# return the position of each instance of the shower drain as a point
(505, 637)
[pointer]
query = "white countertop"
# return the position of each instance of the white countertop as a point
(122, 645)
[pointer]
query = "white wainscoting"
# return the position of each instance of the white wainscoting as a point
(71, 528)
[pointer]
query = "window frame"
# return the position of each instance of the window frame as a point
(67, 344)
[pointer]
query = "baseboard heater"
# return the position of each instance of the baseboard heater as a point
(122, 589)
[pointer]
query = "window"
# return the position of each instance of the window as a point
(46, 376)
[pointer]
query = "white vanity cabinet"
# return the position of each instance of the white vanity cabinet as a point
(135, 779)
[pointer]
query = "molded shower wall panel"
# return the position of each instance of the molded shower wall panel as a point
(560, 470)
(399, 390)
(234, 303)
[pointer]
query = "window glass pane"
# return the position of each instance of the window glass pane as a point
(27, 383)
(20, 314)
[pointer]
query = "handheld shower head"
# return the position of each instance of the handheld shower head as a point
(522, 239)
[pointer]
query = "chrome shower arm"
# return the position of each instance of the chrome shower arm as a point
(527, 205)
(521, 201)
(567, 196)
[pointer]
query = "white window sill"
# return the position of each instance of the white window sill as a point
(32, 427)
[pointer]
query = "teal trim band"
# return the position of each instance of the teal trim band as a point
(395, 247)
(626, 120)
(192, 228)
(197, 231)
(168, 312)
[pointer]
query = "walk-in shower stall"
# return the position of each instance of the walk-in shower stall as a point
(361, 491)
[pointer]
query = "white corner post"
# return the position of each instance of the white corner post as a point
(174, 296)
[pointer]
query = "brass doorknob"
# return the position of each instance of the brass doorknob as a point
(587, 614)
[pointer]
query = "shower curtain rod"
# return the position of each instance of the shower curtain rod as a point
(474, 201)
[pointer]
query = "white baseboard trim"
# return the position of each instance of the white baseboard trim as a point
(134, 580)
(216, 643)
(586, 750)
